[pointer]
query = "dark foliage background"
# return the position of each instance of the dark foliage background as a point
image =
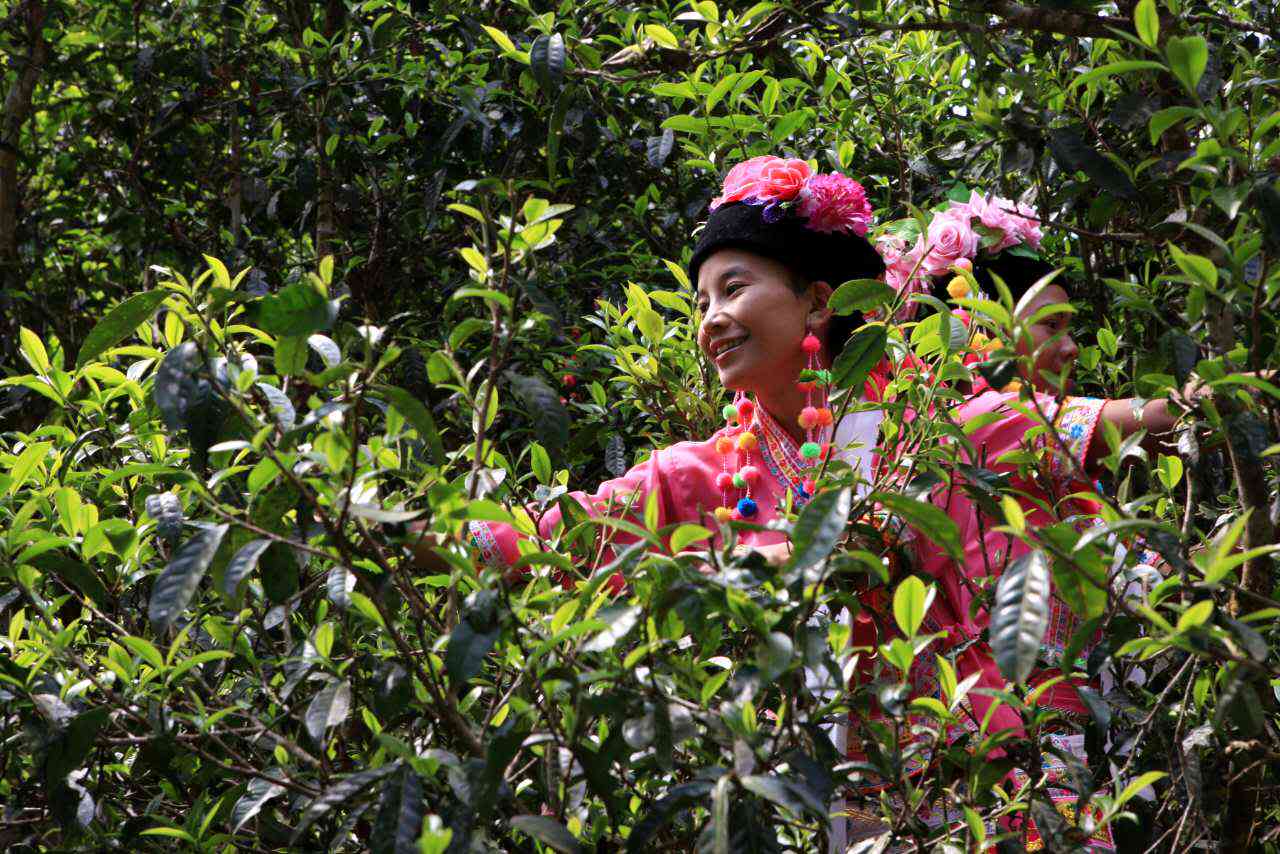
(278, 277)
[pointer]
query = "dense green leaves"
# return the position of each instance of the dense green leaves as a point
(313, 243)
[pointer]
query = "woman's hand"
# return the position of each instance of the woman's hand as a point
(422, 544)
(774, 554)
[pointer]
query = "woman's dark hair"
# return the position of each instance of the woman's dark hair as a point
(1018, 272)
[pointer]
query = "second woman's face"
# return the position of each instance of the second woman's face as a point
(1051, 342)
(752, 320)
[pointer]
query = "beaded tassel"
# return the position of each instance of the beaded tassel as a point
(740, 414)
(813, 419)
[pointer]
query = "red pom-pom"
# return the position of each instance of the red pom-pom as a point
(811, 344)
(745, 410)
(808, 418)
(826, 451)
(750, 474)
(724, 481)
(825, 418)
(806, 387)
(810, 486)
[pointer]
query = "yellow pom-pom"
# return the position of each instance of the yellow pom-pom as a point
(1013, 387)
(724, 514)
(747, 441)
(958, 287)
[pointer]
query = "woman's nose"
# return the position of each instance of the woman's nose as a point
(1069, 349)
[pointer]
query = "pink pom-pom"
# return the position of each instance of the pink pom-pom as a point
(750, 474)
(811, 344)
(808, 418)
(724, 481)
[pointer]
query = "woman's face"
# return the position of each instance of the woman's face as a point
(1051, 343)
(752, 320)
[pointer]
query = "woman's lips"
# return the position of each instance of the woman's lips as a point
(723, 354)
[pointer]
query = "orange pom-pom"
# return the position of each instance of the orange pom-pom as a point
(724, 445)
(825, 418)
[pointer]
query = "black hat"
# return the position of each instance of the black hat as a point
(835, 257)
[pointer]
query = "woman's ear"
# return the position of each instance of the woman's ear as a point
(819, 313)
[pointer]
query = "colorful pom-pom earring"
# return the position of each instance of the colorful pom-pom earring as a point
(743, 429)
(740, 414)
(813, 419)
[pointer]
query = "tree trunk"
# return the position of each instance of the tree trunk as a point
(17, 108)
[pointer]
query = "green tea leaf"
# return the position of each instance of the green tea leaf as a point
(177, 584)
(1020, 615)
(119, 324)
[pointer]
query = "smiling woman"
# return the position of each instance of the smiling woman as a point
(778, 239)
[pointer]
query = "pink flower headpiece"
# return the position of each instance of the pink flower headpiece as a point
(828, 202)
(984, 225)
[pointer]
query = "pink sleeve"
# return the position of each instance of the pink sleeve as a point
(622, 497)
(1074, 419)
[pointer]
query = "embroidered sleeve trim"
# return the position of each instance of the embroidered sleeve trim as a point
(1075, 424)
(484, 540)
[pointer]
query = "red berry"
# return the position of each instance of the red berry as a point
(569, 380)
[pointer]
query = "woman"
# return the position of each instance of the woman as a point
(778, 240)
(1046, 491)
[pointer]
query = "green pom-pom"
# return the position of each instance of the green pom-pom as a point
(739, 482)
(730, 412)
(810, 450)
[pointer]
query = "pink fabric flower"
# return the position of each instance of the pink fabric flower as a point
(1018, 222)
(1029, 226)
(903, 271)
(835, 202)
(766, 179)
(950, 237)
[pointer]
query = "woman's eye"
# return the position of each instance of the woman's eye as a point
(734, 287)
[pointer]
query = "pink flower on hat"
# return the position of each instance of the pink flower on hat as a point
(1029, 226)
(950, 236)
(765, 180)
(1018, 223)
(835, 202)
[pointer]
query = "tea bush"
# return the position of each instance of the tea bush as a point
(451, 289)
